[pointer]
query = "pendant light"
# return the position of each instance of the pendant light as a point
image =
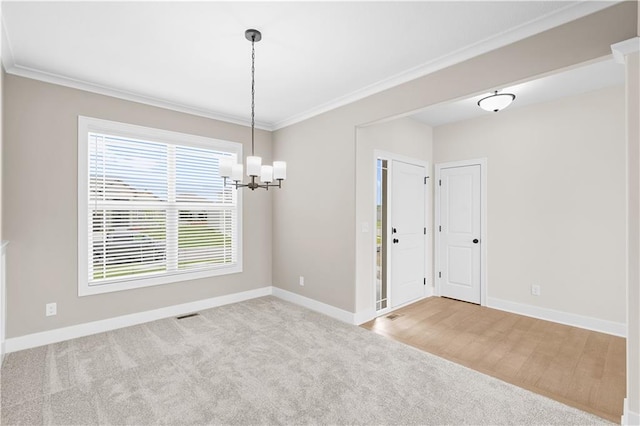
(496, 102)
(255, 169)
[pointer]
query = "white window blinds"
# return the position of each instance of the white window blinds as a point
(156, 209)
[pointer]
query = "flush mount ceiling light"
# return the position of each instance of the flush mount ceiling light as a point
(267, 174)
(496, 102)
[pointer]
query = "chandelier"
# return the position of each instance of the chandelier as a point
(255, 168)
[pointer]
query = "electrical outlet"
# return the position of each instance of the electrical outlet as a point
(535, 290)
(301, 280)
(51, 309)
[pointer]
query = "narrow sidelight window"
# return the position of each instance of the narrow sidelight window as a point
(381, 235)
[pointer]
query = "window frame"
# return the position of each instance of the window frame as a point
(87, 125)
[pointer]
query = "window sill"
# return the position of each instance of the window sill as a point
(84, 289)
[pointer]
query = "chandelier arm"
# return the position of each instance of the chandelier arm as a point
(253, 184)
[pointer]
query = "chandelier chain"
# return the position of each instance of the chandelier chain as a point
(267, 174)
(253, 90)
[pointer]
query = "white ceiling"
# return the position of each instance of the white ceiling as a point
(314, 56)
(571, 82)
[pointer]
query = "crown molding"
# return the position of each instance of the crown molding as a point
(125, 95)
(624, 48)
(11, 67)
(556, 18)
(561, 16)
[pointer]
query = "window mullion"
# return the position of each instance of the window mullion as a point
(156, 208)
(101, 150)
(172, 211)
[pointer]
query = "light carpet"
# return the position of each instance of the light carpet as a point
(263, 361)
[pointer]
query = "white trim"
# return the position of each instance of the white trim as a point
(89, 124)
(374, 236)
(315, 305)
(61, 334)
(390, 157)
(3, 300)
(80, 330)
(624, 48)
(554, 19)
(484, 245)
(26, 72)
(575, 320)
(430, 291)
(363, 316)
(378, 153)
(629, 418)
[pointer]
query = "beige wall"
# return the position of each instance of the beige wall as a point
(405, 137)
(40, 208)
(556, 200)
(314, 221)
(315, 218)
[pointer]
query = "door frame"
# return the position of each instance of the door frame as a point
(482, 162)
(428, 267)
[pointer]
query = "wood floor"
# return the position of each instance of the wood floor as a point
(578, 367)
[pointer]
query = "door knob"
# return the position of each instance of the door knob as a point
(395, 240)
(476, 241)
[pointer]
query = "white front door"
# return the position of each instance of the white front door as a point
(460, 231)
(408, 213)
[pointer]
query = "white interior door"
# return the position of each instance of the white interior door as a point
(407, 237)
(460, 231)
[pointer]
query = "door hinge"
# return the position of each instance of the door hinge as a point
(425, 281)
(439, 182)
(439, 228)
(425, 231)
(439, 274)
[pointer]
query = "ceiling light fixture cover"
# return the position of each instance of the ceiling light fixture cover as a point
(255, 169)
(496, 102)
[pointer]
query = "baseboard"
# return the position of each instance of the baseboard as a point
(430, 292)
(629, 418)
(589, 323)
(60, 334)
(314, 305)
(66, 333)
(364, 316)
(369, 314)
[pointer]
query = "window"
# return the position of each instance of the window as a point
(152, 208)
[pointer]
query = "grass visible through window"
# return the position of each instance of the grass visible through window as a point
(198, 244)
